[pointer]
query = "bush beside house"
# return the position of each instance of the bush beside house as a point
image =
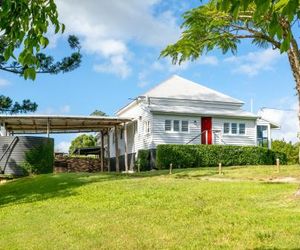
(186, 156)
(291, 150)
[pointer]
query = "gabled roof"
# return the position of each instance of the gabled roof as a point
(180, 88)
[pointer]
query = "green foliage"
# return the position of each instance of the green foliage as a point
(143, 159)
(39, 160)
(187, 156)
(83, 141)
(291, 151)
(222, 24)
(7, 106)
(23, 28)
(98, 113)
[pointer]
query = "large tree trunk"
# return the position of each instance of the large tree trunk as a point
(294, 59)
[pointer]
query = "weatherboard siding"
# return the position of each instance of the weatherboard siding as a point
(194, 103)
(248, 139)
(136, 139)
(160, 136)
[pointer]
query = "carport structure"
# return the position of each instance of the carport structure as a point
(58, 124)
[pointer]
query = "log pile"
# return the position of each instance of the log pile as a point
(76, 164)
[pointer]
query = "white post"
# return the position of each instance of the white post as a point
(126, 147)
(269, 137)
(48, 128)
(206, 137)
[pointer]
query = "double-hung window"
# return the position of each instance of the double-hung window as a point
(184, 126)
(168, 125)
(242, 128)
(233, 128)
(176, 125)
(226, 129)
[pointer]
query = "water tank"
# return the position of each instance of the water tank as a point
(15, 151)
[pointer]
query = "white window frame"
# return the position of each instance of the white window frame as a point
(180, 126)
(237, 128)
(170, 125)
(188, 126)
(240, 129)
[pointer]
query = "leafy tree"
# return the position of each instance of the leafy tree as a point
(223, 24)
(23, 28)
(83, 141)
(288, 148)
(9, 107)
(98, 113)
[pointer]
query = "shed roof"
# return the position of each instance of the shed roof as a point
(39, 124)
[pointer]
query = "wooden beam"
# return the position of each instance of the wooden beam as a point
(108, 150)
(117, 149)
(126, 147)
(102, 150)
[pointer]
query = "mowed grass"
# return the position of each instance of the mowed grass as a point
(190, 209)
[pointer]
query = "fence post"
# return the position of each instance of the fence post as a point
(138, 165)
(220, 168)
(171, 167)
(278, 164)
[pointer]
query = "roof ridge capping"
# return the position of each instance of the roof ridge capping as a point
(178, 87)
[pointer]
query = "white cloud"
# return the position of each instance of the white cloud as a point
(65, 109)
(116, 65)
(286, 118)
(4, 82)
(63, 147)
(164, 65)
(56, 111)
(254, 62)
(106, 28)
(208, 60)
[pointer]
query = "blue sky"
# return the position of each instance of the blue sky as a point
(121, 42)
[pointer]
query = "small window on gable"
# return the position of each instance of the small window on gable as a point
(168, 126)
(233, 128)
(176, 126)
(226, 128)
(242, 128)
(185, 126)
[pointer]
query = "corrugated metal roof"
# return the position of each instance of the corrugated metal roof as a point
(201, 111)
(180, 88)
(39, 124)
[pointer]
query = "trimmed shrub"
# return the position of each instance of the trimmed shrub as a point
(39, 160)
(187, 156)
(291, 151)
(144, 159)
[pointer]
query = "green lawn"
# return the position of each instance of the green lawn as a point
(245, 208)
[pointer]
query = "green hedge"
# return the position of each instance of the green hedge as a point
(143, 159)
(39, 160)
(188, 156)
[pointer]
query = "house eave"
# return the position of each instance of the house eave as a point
(254, 117)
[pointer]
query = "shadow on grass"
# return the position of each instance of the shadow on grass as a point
(43, 187)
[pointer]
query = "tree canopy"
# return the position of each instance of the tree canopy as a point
(23, 28)
(98, 113)
(7, 106)
(223, 24)
(83, 141)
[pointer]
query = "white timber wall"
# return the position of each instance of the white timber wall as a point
(160, 136)
(137, 137)
(249, 138)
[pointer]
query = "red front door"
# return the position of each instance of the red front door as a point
(206, 127)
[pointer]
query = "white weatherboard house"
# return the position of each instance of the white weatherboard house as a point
(179, 111)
